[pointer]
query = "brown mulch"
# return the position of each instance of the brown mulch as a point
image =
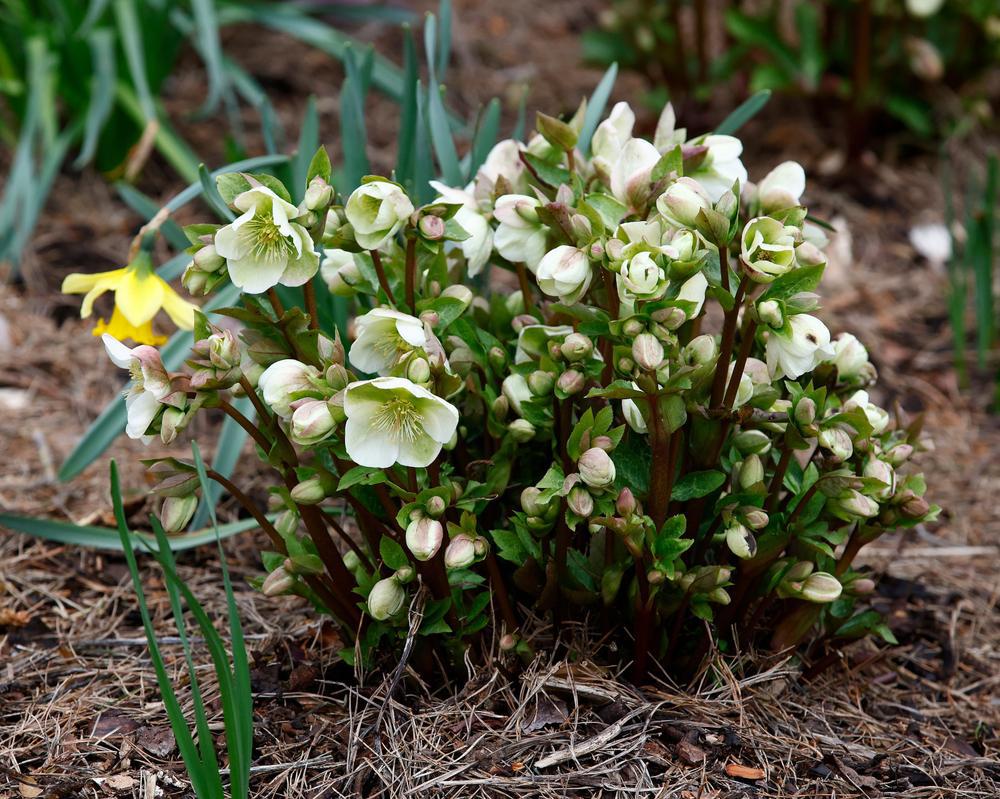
(80, 714)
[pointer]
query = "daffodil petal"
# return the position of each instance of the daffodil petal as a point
(180, 311)
(139, 296)
(79, 283)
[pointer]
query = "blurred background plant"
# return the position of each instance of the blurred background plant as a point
(88, 77)
(922, 65)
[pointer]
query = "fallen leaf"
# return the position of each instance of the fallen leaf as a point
(546, 712)
(120, 782)
(113, 722)
(744, 772)
(157, 741)
(29, 789)
(690, 753)
(14, 618)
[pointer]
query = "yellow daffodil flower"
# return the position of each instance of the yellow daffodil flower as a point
(139, 294)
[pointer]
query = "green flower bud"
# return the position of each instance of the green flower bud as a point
(741, 541)
(418, 370)
(531, 502)
(541, 383)
(176, 512)
(752, 442)
(521, 430)
(319, 194)
(571, 382)
(647, 351)
(579, 501)
(751, 471)
(837, 442)
(309, 492)
(756, 519)
(207, 259)
(424, 537)
(386, 598)
(461, 552)
(277, 582)
(821, 587)
(576, 347)
(287, 523)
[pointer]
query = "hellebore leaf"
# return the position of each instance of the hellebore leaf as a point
(392, 553)
(697, 484)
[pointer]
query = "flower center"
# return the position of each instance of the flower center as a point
(269, 243)
(399, 418)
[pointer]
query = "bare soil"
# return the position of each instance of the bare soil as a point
(80, 715)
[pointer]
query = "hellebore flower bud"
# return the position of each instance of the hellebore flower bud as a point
(311, 422)
(418, 370)
(431, 227)
(207, 259)
(287, 523)
(837, 441)
(752, 442)
(821, 587)
(741, 541)
(461, 293)
(701, 351)
(571, 382)
(719, 596)
(882, 471)
(580, 501)
(899, 454)
(521, 430)
(647, 351)
(541, 383)
(805, 413)
(436, 506)
(769, 313)
(853, 505)
(176, 512)
(170, 424)
(309, 492)
(530, 502)
(596, 468)
(277, 582)
(424, 537)
(386, 598)
(461, 552)
(863, 586)
(626, 504)
(576, 347)
(915, 508)
(751, 471)
(682, 201)
(515, 389)
(756, 519)
(319, 194)
(849, 356)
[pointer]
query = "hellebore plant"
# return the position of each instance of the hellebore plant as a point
(642, 420)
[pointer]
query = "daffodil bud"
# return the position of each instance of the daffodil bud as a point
(319, 194)
(821, 587)
(386, 598)
(521, 430)
(571, 382)
(597, 469)
(576, 347)
(837, 442)
(647, 351)
(176, 512)
(741, 541)
(461, 552)
(579, 501)
(424, 537)
(769, 313)
(277, 582)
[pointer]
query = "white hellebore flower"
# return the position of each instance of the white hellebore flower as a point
(924, 8)
(849, 356)
(682, 201)
(631, 171)
(383, 336)
(262, 247)
(520, 236)
(533, 340)
(150, 383)
(516, 390)
(721, 167)
(340, 272)
(693, 290)
(641, 278)
(565, 273)
(376, 210)
(798, 348)
(767, 248)
(633, 416)
(611, 136)
(281, 380)
(504, 160)
(392, 420)
(878, 417)
(782, 187)
(479, 245)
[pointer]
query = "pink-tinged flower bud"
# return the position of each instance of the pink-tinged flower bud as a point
(863, 587)
(899, 454)
(883, 472)
(282, 379)
(821, 587)
(386, 598)
(915, 508)
(632, 328)
(461, 552)
(508, 642)
(481, 546)
(655, 577)
(431, 227)
(580, 502)
(571, 382)
(647, 351)
(837, 442)
(319, 194)
(576, 347)
(805, 413)
(405, 574)
(682, 201)
(311, 422)
(497, 358)
(603, 442)
(521, 430)
(925, 59)
(277, 582)
(171, 423)
(436, 506)
(741, 541)
(596, 468)
(626, 503)
(176, 512)
(854, 505)
(756, 519)
(424, 537)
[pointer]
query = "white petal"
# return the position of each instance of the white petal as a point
(120, 355)
(368, 448)
(140, 408)
(255, 276)
(440, 419)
